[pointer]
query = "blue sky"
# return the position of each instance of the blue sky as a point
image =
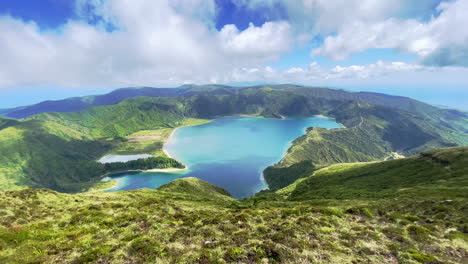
(53, 49)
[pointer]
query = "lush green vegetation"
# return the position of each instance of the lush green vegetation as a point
(411, 210)
(120, 120)
(196, 187)
(436, 174)
(191, 221)
(278, 177)
(61, 155)
(71, 142)
(143, 164)
(32, 157)
(372, 133)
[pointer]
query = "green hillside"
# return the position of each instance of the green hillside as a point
(340, 214)
(32, 157)
(117, 120)
(372, 133)
(436, 174)
(196, 187)
(59, 151)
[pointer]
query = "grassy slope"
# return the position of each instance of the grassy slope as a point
(191, 221)
(121, 119)
(32, 157)
(195, 187)
(371, 133)
(434, 174)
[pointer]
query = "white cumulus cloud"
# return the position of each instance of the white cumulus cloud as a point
(443, 36)
(154, 43)
(169, 42)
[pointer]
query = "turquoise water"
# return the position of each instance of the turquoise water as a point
(122, 158)
(230, 152)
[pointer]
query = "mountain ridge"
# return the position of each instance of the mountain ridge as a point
(80, 103)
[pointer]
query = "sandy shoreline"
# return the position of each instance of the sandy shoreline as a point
(167, 140)
(114, 185)
(106, 177)
(332, 118)
(166, 170)
(170, 136)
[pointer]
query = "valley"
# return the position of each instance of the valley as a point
(392, 124)
(333, 196)
(233, 132)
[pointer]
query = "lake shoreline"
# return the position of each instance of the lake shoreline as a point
(116, 182)
(260, 183)
(166, 170)
(164, 149)
(167, 140)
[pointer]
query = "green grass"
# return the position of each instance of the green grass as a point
(441, 174)
(196, 187)
(191, 221)
(411, 210)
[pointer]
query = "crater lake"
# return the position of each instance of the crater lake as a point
(230, 152)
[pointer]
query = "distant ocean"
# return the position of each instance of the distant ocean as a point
(441, 97)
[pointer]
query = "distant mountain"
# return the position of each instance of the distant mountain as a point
(5, 111)
(80, 103)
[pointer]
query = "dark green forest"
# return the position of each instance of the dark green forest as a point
(143, 164)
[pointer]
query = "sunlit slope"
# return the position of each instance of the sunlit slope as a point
(190, 221)
(121, 119)
(435, 174)
(196, 187)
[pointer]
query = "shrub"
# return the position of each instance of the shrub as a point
(235, 253)
(418, 233)
(364, 211)
(145, 246)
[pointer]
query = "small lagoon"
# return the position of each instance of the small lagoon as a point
(122, 158)
(230, 152)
